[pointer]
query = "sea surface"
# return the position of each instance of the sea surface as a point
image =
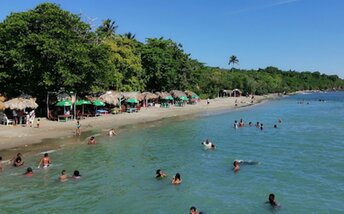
(301, 162)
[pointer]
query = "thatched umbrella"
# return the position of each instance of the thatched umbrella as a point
(149, 96)
(111, 97)
(163, 95)
(21, 103)
(176, 93)
(137, 95)
(2, 105)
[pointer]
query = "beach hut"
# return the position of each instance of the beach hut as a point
(111, 98)
(193, 97)
(165, 99)
(236, 93)
(21, 103)
(149, 98)
(180, 97)
(82, 103)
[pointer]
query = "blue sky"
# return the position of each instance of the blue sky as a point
(301, 35)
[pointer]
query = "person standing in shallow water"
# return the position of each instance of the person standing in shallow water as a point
(78, 128)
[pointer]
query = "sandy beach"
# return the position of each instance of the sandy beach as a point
(20, 137)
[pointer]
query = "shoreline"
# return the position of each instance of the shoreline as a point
(26, 138)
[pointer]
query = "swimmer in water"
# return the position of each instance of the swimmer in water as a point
(236, 166)
(45, 161)
(176, 179)
(92, 140)
(160, 174)
(18, 160)
(29, 172)
(76, 174)
(63, 176)
(272, 201)
(112, 132)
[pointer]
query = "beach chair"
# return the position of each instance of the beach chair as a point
(6, 121)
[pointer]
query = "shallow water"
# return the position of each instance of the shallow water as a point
(301, 162)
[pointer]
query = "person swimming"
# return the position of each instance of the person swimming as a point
(63, 176)
(92, 140)
(236, 166)
(76, 174)
(208, 144)
(29, 172)
(272, 201)
(18, 160)
(45, 161)
(112, 132)
(176, 179)
(160, 174)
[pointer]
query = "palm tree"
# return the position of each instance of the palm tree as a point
(108, 28)
(233, 60)
(129, 35)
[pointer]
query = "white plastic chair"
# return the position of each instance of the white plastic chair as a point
(6, 121)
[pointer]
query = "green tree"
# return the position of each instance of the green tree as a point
(47, 48)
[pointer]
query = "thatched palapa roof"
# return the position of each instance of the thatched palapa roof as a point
(111, 97)
(136, 95)
(2, 104)
(21, 103)
(176, 93)
(149, 95)
(190, 93)
(163, 94)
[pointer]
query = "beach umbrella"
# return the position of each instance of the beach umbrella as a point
(195, 96)
(82, 103)
(167, 98)
(98, 103)
(132, 100)
(21, 103)
(64, 103)
(184, 98)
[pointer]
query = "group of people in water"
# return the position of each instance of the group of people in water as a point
(44, 162)
(259, 125)
(159, 174)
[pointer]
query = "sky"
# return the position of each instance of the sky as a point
(300, 35)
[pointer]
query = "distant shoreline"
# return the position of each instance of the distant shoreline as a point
(16, 138)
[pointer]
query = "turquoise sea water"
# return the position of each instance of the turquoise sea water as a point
(301, 162)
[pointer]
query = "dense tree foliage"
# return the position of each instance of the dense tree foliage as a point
(47, 48)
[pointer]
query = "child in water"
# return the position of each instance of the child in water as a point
(272, 201)
(176, 179)
(160, 174)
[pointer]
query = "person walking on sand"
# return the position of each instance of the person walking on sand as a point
(0, 164)
(45, 161)
(208, 101)
(78, 128)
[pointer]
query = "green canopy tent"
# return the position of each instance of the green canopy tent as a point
(82, 103)
(195, 97)
(183, 98)
(132, 101)
(97, 103)
(64, 104)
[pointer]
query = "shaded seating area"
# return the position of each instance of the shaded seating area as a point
(180, 98)
(166, 99)
(193, 97)
(17, 110)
